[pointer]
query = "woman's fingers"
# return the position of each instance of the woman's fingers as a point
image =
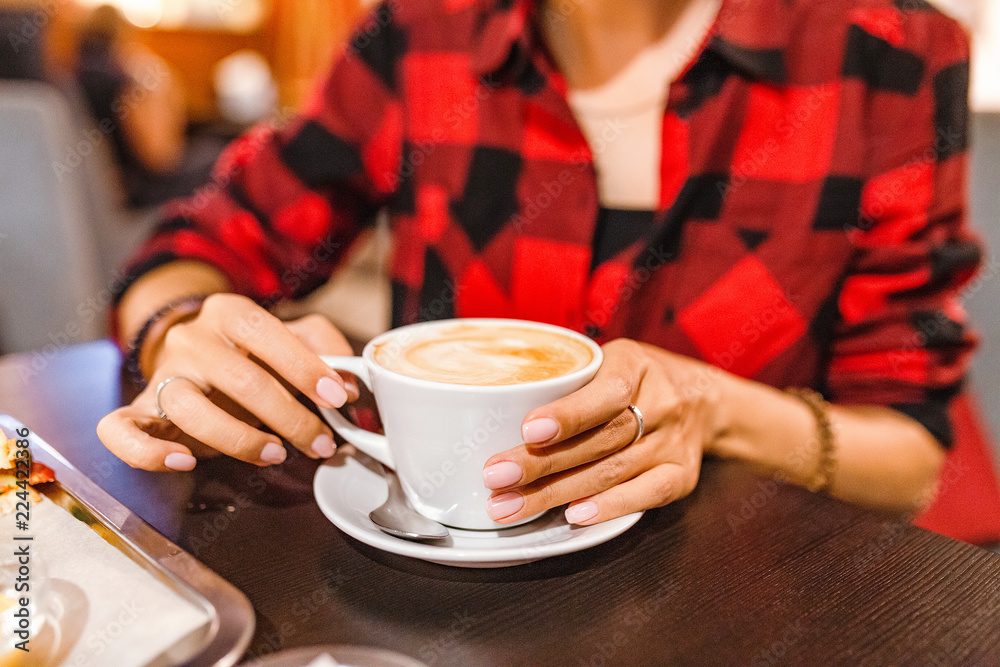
(123, 432)
(259, 393)
(560, 488)
(215, 365)
(604, 490)
(523, 465)
(662, 485)
(264, 396)
(244, 367)
(585, 448)
(194, 414)
(319, 335)
(254, 330)
(673, 454)
(322, 338)
(601, 400)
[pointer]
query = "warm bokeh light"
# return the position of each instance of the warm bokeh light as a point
(142, 13)
(232, 15)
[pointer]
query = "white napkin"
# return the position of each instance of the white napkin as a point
(107, 610)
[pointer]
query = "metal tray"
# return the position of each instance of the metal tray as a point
(226, 636)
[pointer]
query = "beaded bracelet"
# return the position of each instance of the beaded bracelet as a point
(822, 479)
(177, 309)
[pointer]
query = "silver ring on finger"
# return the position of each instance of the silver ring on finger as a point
(642, 424)
(159, 388)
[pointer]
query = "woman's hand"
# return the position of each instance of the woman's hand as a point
(582, 449)
(238, 367)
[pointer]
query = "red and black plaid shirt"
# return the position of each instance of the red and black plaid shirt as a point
(812, 226)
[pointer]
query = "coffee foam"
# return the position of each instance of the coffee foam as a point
(487, 355)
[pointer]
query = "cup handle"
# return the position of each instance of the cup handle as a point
(372, 444)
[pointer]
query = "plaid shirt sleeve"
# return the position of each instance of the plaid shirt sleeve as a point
(901, 338)
(285, 202)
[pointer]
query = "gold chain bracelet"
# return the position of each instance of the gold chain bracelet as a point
(822, 479)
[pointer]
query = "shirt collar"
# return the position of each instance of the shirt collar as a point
(751, 35)
(505, 36)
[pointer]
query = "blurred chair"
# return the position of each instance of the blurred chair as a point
(61, 234)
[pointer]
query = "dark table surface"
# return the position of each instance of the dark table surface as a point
(743, 571)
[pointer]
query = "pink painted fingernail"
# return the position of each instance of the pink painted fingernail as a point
(503, 474)
(180, 461)
(539, 430)
(504, 505)
(273, 453)
(323, 446)
(581, 512)
(331, 391)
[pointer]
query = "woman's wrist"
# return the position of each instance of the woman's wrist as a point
(142, 351)
(161, 286)
(768, 428)
(156, 302)
(826, 459)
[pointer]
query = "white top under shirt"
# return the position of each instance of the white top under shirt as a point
(623, 118)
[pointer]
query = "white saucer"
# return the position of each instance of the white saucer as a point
(350, 485)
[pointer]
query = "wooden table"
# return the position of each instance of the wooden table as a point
(743, 571)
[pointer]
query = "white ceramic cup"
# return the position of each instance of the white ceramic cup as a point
(438, 436)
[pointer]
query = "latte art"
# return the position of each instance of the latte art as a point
(485, 355)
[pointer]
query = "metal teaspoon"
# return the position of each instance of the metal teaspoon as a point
(397, 518)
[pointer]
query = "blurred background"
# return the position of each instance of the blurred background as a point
(77, 193)
(180, 78)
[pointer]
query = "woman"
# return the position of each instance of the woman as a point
(740, 197)
(133, 95)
